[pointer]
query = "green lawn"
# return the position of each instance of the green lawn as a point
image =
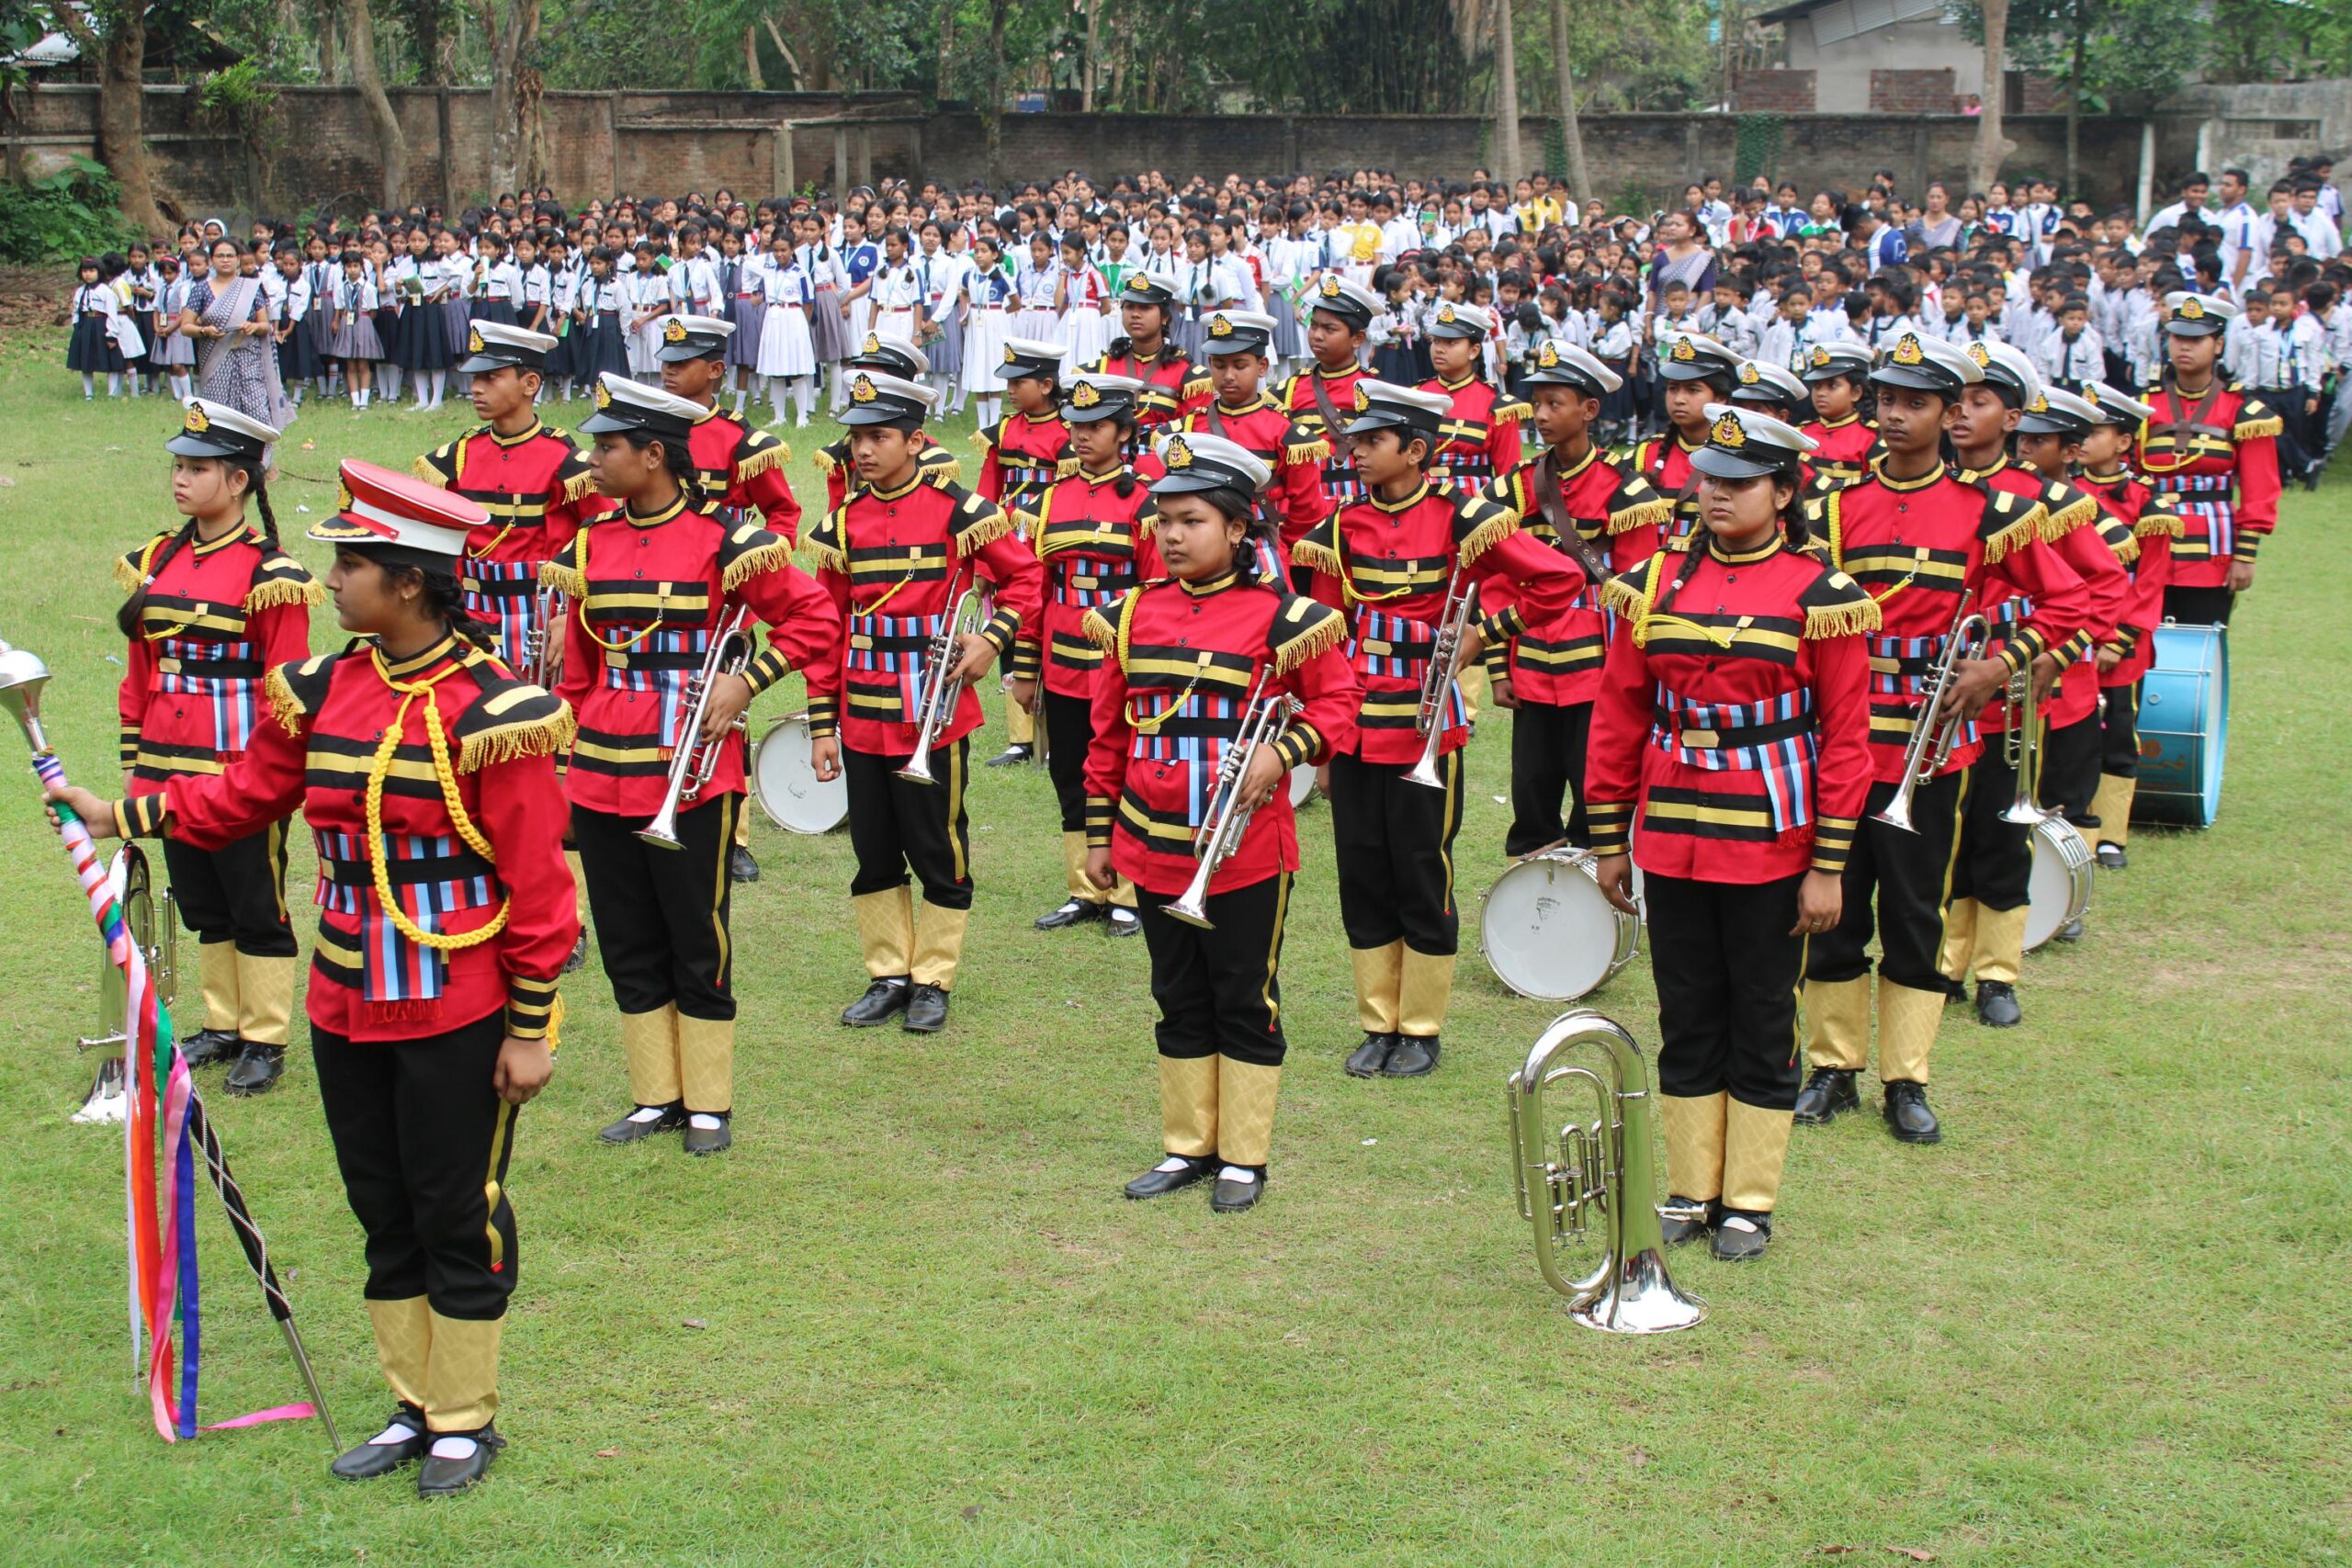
(909, 1318)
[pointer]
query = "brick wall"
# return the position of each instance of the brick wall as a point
(600, 142)
(2044, 95)
(1913, 92)
(1774, 92)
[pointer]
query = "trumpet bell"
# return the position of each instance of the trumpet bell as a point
(1190, 911)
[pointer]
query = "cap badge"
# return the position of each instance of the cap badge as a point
(1179, 455)
(1548, 356)
(872, 344)
(863, 390)
(1084, 395)
(473, 341)
(343, 497)
(1908, 350)
(198, 422)
(1683, 351)
(2039, 404)
(1820, 357)
(1010, 357)
(1220, 325)
(1364, 399)
(1748, 376)
(1446, 313)
(1330, 286)
(603, 396)
(1729, 431)
(1983, 355)
(2191, 309)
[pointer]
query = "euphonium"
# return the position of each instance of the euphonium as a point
(937, 702)
(1264, 721)
(2021, 747)
(694, 760)
(1581, 1172)
(1932, 741)
(1437, 682)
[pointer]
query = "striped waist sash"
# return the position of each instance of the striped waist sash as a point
(225, 675)
(1774, 736)
(433, 876)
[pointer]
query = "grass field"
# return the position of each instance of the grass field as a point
(909, 1319)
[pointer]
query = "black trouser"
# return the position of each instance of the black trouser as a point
(1909, 874)
(423, 1141)
(1727, 973)
(897, 825)
(1396, 847)
(2067, 775)
(1995, 865)
(1217, 991)
(1547, 748)
(2200, 606)
(1070, 729)
(662, 915)
(2295, 446)
(2120, 731)
(237, 893)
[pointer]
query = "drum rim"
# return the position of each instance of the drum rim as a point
(759, 797)
(1627, 927)
(2073, 847)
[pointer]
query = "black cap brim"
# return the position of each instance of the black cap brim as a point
(2204, 326)
(1192, 481)
(1352, 316)
(1101, 411)
(679, 353)
(188, 443)
(604, 424)
(1580, 385)
(1765, 397)
(875, 413)
(1917, 379)
(1240, 343)
(1680, 371)
(1381, 419)
(484, 364)
(1455, 329)
(1730, 465)
(2052, 424)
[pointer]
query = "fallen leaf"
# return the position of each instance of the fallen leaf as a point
(608, 1453)
(309, 446)
(694, 1323)
(972, 1510)
(1837, 1550)
(1916, 1554)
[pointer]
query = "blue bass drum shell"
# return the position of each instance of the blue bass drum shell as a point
(2184, 727)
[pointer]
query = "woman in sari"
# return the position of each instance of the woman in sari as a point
(236, 359)
(1681, 257)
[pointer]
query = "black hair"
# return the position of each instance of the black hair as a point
(129, 618)
(676, 459)
(1258, 527)
(443, 599)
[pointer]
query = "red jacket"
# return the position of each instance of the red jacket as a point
(742, 470)
(1025, 457)
(1296, 454)
(1182, 660)
(1177, 385)
(1097, 545)
(1298, 398)
(1559, 663)
(2089, 543)
(1388, 567)
(2155, 524)
(933, 461)
(369, 979)
(887, 559)
(538, 491)
(1919, 547)
(216, 619)
(647, 595)
(1480, 440)
(1665, 461)
(1733, 722)
(1846, 449)
(2221, 468)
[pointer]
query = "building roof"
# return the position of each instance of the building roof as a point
(1836, 20)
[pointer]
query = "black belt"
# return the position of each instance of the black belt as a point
(423, 868)
(1733, 738)
(213, 668)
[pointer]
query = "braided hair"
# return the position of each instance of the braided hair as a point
(678, 460)
(129, 618)
(443, 600)
(1258, 530)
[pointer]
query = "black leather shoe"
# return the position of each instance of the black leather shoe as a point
(709, 1140)
(1907, 1116)
(741, 866)
(1125, 921)
(256, 1069)
(631, 1128)
(2071, 931)
(447, 1477)
(1366, 1060)
(579, 958)
(882, 1001)
(370, 1460)
(1954, 991)
(1996, 1004)
(1158, 1183)
(1232, 1197)
(2112, 858)
(1735, 1244)
(1011, 756)
(207, 1046)
(1076, 912)
(1827, 1094)
(926, 1009)
(1415, 1057)
(1678, 1230)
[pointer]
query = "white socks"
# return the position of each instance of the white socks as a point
(395, 1433)
(1171, 1164)
(988, 408)
(455, 1447)
(645, 1113)
(703, 1121)
(802, 391)
(1240, 1173)
(89, 385)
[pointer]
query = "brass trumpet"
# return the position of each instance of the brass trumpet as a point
(937, 702)
(1933, 741)
(1437, 684)
(2021, 747)
(1264, 721)
(693, 760)
(1595, 1172)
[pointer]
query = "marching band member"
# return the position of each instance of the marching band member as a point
(1481, 437)
(1697, 371)
(1733, 728)
(651, 583)
(1991, 877)
(1145, 352)
(737, 467)
(1027, 450)
(910, 548)
(2215, 449)
(1771, 389)
(1321, 396)
(1926, 547)
(893, 357)
(214, 604)
(1094, 535)
(1388, 561)
(1549, 674)
(2123, 663)
(1238, 343)
(1837, 379)
(1182, 657)
(421, 764)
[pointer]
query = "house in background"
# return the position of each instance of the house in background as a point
(1906, 57)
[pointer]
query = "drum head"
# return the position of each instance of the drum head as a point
(1547, 930)
(1302, 784)
(2059, 889)
(786, 785)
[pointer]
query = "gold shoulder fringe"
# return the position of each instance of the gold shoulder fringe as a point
(1066, 467)
(1199, 386)
(423, 469)
(564, 578)
(2020, 531)
(2160, 520)
(2067, 518)
(1320, 637)
(1652, 512)
(2119, 539)
(1491, 531)
(944, 469)
(826, 462)
(303, 590)
(1843, 620)
(761, 461)
(530, 738)
(987, 530)
(1315, 451)
(580, 486)
(126, 575)
(1504, 411)
(284, 705)
(1314, 554)
(1100, 631)
(1624, 596)
(2257, 428)
(983, 439)
(775, 553)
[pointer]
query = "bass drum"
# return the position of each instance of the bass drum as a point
(1548, 931)
(2058, 892)
(786, 786)
(2184, 727)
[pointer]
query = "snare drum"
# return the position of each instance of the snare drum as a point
(786, 786)
(1547, 930)
(1302, 784)
(2058, 892)
(2184, 727)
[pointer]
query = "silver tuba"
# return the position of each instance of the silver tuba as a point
(1933, 740)
(937, 703)
(1264, 721)
(1437, 683)
(693, 760)
(1579, 1174)
(154, 924)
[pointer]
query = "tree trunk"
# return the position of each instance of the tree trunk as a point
(510, 29)
(433, 63)
(944, 86)
(1571, 132)
(1094, 56)
(784, 51)
(992, 108)
(1985, 162)
(2075, 99)
(751, 77)
(1506, 164)
(122, 104)
(359, 33)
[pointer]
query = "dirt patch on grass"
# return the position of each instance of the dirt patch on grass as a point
(32, 298)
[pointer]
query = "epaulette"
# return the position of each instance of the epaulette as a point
(1302, 628)
(2121, 540)
(1064, 469)
(1479, 524)
(2255, 421)
(2161, 515)
(833, 457)
(1834, 604)
(1511, 410)
(1638, 504)
(130, 568)
(824, 536)
(757, 453)
(1318, 547)
(1106, 626)
(439, 466)
(2068, 509)
(281, 580)
(1196, 382)
(979, 522)
(987, 437)
(563, 573)
(295, 690)
(1303, 446)
(938, 466)
(572, 472)
(747, 551)
(509, 718)
(1628, 592)
(2008, 523)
